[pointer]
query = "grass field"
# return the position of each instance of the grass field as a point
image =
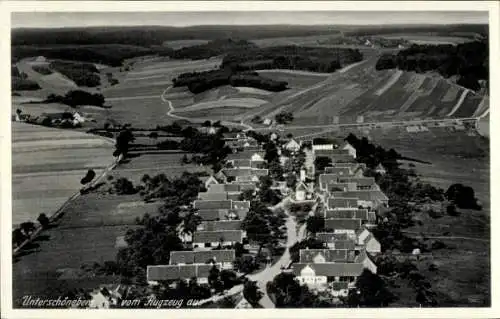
(179, 44)
(423, 38)
(47, 165)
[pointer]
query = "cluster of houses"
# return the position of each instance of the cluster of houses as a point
(67, 118)
(350, 203)
(221, 211)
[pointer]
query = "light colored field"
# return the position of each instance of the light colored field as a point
(229, 102)
(303, 40)
(179, 44)
(250, 90)
(297, 72)
(48, 165)
(389, 83)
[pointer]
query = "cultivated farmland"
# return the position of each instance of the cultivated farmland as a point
(47, 166)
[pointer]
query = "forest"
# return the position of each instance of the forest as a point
(469, 61)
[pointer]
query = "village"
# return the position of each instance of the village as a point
(321, 180)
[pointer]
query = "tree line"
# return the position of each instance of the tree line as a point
(83, 74)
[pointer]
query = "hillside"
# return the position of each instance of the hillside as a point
(363, 94)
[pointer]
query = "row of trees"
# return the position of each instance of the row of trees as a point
(23, 232)
(198, 82)
(77, 97)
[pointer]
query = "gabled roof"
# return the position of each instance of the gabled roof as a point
(221, 225)
(215, 236)
(176, 272)
(234, 196)
(247, 179)
(325, 179)
(331, 269)
(352, 166)
(242, 163)
(211, 214)
(302, 187)
(212, 196)
(292, 143)
(212, 204)
(342, 202)
(221, 188)
(202, 257)
(246, 154)
(345, 213)
(330, 152)
(368, 195)
(343, 223)
(330, 255)
(328, 236)
(233, 172)
(360, 181)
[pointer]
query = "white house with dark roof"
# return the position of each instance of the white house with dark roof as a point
(156, 273)
(350, 148)
(210, 239)
(366, 239)
(224, 257)
(292, 145)
(367, 198)
(323, 276)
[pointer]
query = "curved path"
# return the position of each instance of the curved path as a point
(171, 114)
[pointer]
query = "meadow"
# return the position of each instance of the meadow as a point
(47, 165)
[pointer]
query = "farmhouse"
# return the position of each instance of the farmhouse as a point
(362, 183)
(221, 188)
(342, 202)
(367, 240)
(318, 256)
(210, 180)
(348, 213)
(179, 272)
(225, 257)
(368, 199)
(303, 192)
(207, 239)
(213, 196)
(326, 276)
(325, 179)
(219, 225)
(292, 146)
(254, 156)
(341, 187)
(337, 241)
(212, 204)
(238, 172)
(212, 214)
(350, 148)
(343, 225)
(241, 163)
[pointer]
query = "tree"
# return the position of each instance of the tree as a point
(207, 123)
(288, 293)
(43, 220)
(18, 237)
(370, 291)
(463, 196)
(153, 135)
(123, 186)
(88, 177)
(284, 117)
(315, 224)
(252, 293)
(245, 264)
(291, 180)
(28, 227)
(123, 140)
(321, 162)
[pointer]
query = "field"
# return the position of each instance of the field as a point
(48, 165)
(377, 96)
(178, 44)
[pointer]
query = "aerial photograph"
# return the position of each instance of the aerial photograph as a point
(246, 160)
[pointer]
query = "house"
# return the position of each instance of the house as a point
(212, 214)
(321, 144)
(242, 303)
(220, 225)
(241, 163)
(318, 256)
(212, 196)
(380, 169)
(366, 239)
(343, 225)
(322, 276)
(356, 169)
(105, 297)
(337, 241)
(254, 156)
(341, 187)
(224, 257)
(78, 118)
(267, 121)
(247, 179)
(223, 188)
(331, 153)
(362, 183)
(368, 199)
(212, 204)
(350, 148)
(347, 213)
(179, 272)
(292, 145)
(342, 202)
(342, 158)
(235, 172)
(207, 239)
(211, 180)
(303, 192)
(325, 179)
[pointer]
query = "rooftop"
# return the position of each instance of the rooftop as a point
(202, 257)
(175, 272)
(331, 269)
